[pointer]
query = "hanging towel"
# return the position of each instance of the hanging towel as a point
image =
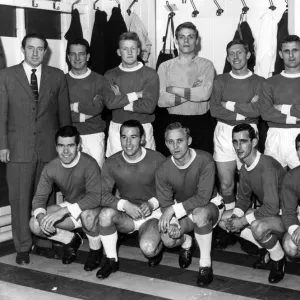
(266, 45)
(115, 27)
(244, 33)
(281, 33)
(98, 42)
(137, 26)
(75, 30)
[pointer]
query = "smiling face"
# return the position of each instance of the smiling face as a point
(186, 41)
(178, 144)
(34, 52)
(78, 58)
(67, 149)
(131, 142)
(238, 57)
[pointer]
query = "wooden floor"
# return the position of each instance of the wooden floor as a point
(45, 279)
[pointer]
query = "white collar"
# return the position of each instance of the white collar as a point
(136, 160)
(193, 154)
(28, 68)
(284, 74)
(73, 163)
(81, 76)
(254, 164)
(139, 66)
(241, 77)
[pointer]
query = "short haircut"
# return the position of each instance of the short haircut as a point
(81, 42)
(177, 125)
(297, 141)
(68, 131)
(289, 39)
(35, 36)
(133, 124)
(245, 127)
(188, 25)
(130, 36)
(237, 42)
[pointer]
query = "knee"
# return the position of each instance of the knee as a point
(148, 247)
(89, 220)
(289, 246)
(201, 216)
(34, 226)
(227, 187)
(258, 229)
(106, 216)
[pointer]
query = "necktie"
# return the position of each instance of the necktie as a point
(34, 85)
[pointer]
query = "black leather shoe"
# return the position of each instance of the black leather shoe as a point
(155, 260)
(47, 252)
(205, 276)
(70, 249)
(110, 266)
(93, 260)
(185, 257)
(23, 258)
(264, 259)
(277, 270)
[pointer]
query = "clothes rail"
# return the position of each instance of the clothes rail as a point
(47, 5)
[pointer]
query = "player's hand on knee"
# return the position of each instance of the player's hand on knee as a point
(133, 211)
(146, 209)
(4, 155)
(296, 237)
(174, 231)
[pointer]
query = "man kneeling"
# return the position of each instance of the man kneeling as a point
(188, 176)
(132, 173)
(262, 175)
(77, 175)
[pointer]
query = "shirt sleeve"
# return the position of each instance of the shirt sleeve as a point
(289, 201)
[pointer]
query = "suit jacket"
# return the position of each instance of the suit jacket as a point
(26, 128)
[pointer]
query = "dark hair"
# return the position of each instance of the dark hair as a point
(36, 36)
(245, 127)
(188, 25)
(237, 42)
(297, 140)
(81, 42)
(289, 39)
(68, 131)
(133, 124)
(130, 36)
(177, 125)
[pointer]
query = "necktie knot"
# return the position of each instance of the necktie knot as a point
(33, 71)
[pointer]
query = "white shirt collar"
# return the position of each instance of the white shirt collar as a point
(28, 71)
(284, 74)
(139, 66)
(136, 160)
(86, 74)
(73, 163)
(254, 164)
(241, 77)
(193, 154)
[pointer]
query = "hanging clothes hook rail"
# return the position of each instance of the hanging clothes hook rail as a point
(219, 10)
(272, 6)
(245, 7)
(129, 8)
(195, 12)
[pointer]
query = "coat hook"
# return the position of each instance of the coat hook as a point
(195, 11)
(34, 4)
(94, 5)
(272, 6)
(129, 8)
(245, 7)
(219, 10)
(56, 7)
(74, 3)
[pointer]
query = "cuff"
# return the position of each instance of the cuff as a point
(179, 210)
(154, 202)
(120, 205)
(74, 210)
(187, 94)
(240, 117)
(229, 206)
(129, 106)
(177, 100)
(286, 109)
(250, 218)
(230, 105)
(132, 97)
(291, 120)
(292, 228)
(75, 107)
(238, 212)
(39, 211)
(81, 118)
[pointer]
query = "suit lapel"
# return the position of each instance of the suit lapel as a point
(44, 80)
(21, 75)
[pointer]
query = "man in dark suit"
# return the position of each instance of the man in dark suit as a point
(34, 104)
